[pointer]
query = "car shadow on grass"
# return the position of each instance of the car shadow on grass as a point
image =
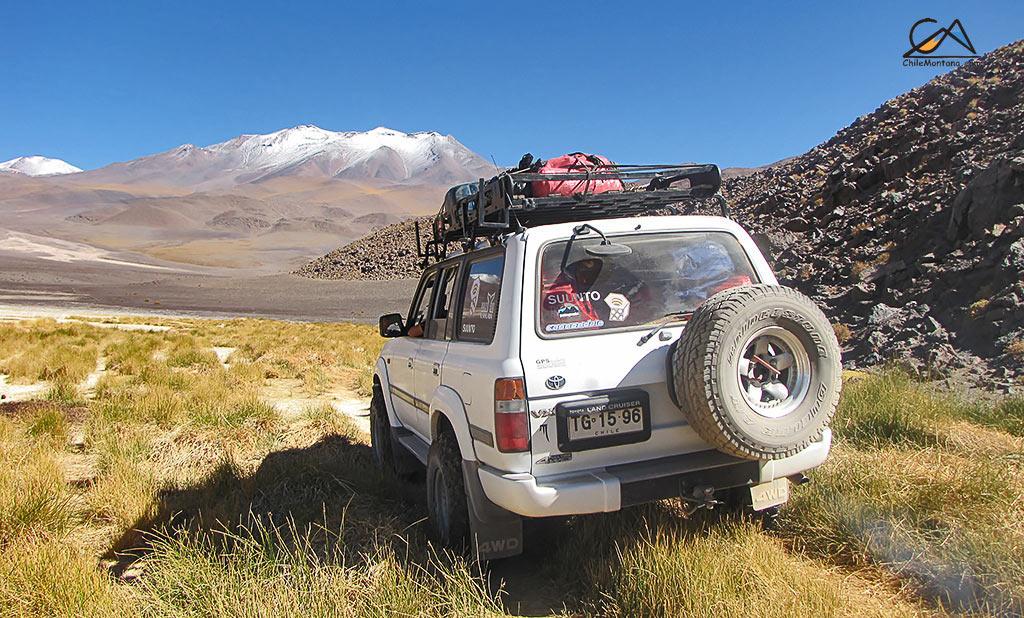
(329, 492)
(331, 498)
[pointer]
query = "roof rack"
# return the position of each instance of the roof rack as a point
(505, 204)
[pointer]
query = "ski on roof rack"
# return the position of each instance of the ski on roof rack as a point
(506, 203)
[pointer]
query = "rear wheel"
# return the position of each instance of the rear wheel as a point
(447, 507)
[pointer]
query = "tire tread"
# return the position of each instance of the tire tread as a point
(445, 454)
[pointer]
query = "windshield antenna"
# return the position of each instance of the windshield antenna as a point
(580, 230)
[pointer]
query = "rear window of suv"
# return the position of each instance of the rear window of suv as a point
(481, 292)
(659, 276)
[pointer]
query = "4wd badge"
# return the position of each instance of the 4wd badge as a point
(554, 382)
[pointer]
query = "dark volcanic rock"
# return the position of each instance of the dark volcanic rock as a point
(994, 196)
(917, 207)
(385, 253)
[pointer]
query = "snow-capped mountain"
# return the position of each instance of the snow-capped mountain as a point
(38, 166)
(382, 154)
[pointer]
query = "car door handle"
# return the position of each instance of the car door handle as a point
(410, 363)
(469, 395)
(437, 369)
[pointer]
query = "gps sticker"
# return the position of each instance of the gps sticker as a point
(619, 306)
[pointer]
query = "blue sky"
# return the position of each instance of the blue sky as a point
(740, 85)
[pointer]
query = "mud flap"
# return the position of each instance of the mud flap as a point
(496, 533)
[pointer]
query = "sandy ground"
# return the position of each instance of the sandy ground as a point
(31, 285)
(56, 250)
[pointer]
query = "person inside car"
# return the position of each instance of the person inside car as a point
(569, 298)
(416, 330)
(597, 293)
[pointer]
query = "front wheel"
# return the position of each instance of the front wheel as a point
(447, 508)
(387, 455)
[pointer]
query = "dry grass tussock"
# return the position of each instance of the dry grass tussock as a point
(45, 350)
(291, 349)
(187, 476)
(184, 492)
(926, 485)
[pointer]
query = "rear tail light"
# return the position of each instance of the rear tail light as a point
(511, 418)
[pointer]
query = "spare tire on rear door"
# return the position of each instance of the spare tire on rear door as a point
(757, 371)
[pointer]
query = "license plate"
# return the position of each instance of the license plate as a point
(606, 423)
(767, 495)
(619, 417)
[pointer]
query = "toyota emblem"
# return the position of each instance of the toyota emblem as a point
(555, 382)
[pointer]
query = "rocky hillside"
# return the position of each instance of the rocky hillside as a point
(386, 253)
(907, 225)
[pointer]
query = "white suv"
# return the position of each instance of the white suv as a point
(584, 367)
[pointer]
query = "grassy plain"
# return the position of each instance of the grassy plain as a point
(152, 479)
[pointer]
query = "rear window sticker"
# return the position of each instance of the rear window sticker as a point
(567, 311)
(474, 295)
(555, 298)
(551, 328)
(619, 306)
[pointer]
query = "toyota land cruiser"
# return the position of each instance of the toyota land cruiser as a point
(574, 360)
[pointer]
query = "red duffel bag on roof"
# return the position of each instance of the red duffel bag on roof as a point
(575, 163)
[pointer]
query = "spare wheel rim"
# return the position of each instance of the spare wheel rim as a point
(774, 372)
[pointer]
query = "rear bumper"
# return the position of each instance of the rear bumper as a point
(614, 487)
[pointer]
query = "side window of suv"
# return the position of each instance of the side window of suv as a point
(418, 314)
(480, 294)
(437, 327)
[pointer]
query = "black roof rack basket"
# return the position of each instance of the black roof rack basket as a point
(503, 204)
